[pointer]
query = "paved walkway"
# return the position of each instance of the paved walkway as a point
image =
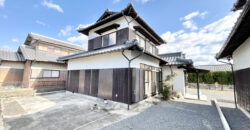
(183, 114)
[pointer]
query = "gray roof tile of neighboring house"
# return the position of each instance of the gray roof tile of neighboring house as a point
(10, 55)
(127, 45)
(223, 67)
(51, 40)
(29, 53)
(176, 58)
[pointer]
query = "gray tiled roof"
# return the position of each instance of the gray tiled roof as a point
(51, 40)
(29, 53)
(176, 58)
(10, 55)
(127, 45)
(222, 67)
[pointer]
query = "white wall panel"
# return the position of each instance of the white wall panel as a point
(110, 60)
(241, 56)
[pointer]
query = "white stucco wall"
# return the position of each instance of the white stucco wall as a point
(178, 80)
(111, 60)
(12, 64)
(49, 66)
(241, 56)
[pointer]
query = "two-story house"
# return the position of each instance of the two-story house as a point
(35, 63)
(121, 63)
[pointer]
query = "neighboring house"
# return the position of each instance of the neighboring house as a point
(215, 68)
(172, 68)
(35, 63)
(104, 71)
(237, 47)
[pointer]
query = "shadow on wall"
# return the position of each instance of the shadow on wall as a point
(11, 77)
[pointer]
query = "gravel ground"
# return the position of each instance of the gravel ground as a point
(183, 114)
(236, 118)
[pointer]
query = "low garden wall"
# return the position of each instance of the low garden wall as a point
(211, 86)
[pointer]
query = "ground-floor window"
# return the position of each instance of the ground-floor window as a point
(152, 79)
(39, 73)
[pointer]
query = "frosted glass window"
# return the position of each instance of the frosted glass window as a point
(55, 73)
(46, 73)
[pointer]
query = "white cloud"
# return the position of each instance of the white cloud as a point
(143, 1)
(6, 47)
(2, 3)
(4, 16)
(203, 44)
(40, 22)
(190, 25)
(51, 5)
(66, 31)
(203, 14)
(188, 21)
(82, 39)
(191, 15)
(14, 40)
(116, 1)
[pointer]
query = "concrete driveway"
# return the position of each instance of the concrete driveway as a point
(63, 111)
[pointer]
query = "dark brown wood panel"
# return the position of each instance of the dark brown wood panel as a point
(122, 36)
(242, 84)
(81, 81)
(136, 85)
(87, 82)
(73, 82)
(91, 45)
(120, 85)
(94, 82)
(97, 43)
(105, 84)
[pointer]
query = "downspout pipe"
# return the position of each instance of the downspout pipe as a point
(232, 68)
(129, 66)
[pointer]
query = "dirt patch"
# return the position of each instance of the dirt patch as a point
(16, 92)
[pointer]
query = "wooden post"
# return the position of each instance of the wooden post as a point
(198, 84)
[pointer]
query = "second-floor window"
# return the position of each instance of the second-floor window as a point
(142, 41)
(109, 39)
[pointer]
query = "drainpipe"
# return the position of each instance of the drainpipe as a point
(129, 62)
(229, 63)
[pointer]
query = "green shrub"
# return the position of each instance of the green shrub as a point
(167, 87)
(166, 93)
(222, 77)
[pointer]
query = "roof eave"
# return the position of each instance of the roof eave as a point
(120, 14)
(222, 53)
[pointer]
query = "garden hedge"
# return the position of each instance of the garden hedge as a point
(221, 77)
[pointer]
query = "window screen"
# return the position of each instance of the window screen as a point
(109, 39)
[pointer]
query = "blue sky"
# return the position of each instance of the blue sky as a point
(196, 27)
